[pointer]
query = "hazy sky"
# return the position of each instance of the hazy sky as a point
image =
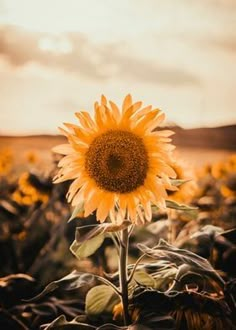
(58, 56)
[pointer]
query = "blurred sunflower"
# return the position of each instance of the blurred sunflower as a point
(218, 170)
(119, 164)
(31, 157)
(26, 193)
(6, 161)
(186, 191)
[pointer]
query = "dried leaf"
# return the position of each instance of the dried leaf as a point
(61, 323)
(179, 256)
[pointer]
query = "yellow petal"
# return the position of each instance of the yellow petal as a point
(75, 186)
(104, 207)
(140, 219)
(155, 122)
(127, 103)
(128, 113)
(85, 120)
(110, 119)
(63, 132)
(63, 149)
(162, 167)
(165, 133)
(89, 120)
(131, 207)
(148, 211)
(69, 159)
(144, 121)
(141, 113)
(103, 100)
(91, 203)
(115, 110)
(81, 133)
(81, 194)
(99, 117)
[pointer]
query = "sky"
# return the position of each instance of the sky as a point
(58, 56)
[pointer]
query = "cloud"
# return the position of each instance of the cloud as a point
(94, 61)
(226, 44)
(153, 73)
(21, 47)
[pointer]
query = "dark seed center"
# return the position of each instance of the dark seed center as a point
(118, 161)
(114, 163)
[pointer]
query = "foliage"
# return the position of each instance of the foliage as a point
(184, 276)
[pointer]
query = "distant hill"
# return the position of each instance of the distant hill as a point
(223, 137)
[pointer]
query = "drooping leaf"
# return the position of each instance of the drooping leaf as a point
(72, 281)
(88, 247)
(98, 229)
(91, 232)
(179, 256)
(182, 207)
(110, 326)
(61, 323)
(164, 277)
(101, 299)
(209, 230)
(85, 244)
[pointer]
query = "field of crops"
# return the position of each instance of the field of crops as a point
(188, 281)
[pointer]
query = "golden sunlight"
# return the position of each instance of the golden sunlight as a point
(152, 49)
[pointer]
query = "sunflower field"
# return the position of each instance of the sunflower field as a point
(114, 232)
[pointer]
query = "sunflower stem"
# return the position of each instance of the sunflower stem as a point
(123, 274)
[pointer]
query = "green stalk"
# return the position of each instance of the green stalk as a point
(123, 274)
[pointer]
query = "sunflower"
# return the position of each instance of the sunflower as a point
(119, 163)
(186, 191)
(26, 193)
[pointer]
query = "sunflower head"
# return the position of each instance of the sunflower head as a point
(119, 161)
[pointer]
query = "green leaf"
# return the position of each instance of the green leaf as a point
(101, 299)
(178, 182)
(87, 248)
(164, 277)
(182, 207)
(78, 209)
(143, 278)
(97, 229)
(165, 251)
(72, 281)
(157, 280)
